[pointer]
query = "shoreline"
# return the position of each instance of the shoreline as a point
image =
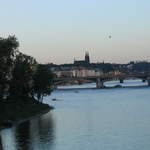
(94, 88)
(17, 122)
(27, 119)
(32, 117)
(14, 114)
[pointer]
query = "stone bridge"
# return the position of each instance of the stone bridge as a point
(104, 78)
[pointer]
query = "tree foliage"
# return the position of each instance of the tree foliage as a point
(20, 76)
(8, 48)
(22, 82)
(43, 81)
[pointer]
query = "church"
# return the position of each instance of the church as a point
(84, 62)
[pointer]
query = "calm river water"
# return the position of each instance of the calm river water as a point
(87, 119)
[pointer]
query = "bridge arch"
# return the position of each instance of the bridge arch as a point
(100, 80)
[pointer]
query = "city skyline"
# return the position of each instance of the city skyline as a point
(58, 31)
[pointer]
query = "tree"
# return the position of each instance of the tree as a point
(22, 76)
(8, 48)
(43, 81)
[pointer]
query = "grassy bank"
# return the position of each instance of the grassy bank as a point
(12, 111)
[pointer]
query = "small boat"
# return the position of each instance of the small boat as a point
(54, 99)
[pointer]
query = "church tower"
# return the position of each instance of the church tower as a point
(87, 58)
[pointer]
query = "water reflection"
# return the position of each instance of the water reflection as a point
(8, 139)
(22, 135)
(37, 134)
(1, 146)
(46, 128)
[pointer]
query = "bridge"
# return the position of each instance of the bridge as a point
(104, 78)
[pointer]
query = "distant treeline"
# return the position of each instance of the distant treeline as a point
(140, 66)
(20, 75)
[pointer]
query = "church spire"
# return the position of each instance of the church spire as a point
(87, 57)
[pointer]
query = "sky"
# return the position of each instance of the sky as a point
(57, 31)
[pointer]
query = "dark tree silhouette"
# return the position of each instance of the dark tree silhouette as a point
(43, 81)
(22, 76)
(8, 49)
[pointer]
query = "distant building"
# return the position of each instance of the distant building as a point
(84, 62)
(65, 73)
(86, 72)
(84, 68)
(78, 72)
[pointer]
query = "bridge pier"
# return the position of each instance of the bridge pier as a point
(99, 83)
(148, 80)
(143, 80)
(121, 81)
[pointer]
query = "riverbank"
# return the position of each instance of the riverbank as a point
(13, 112)
(106, 87)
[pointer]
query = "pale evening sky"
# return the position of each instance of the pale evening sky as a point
(59, 30)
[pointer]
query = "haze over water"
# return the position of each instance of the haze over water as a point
(92, 119)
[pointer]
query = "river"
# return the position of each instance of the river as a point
(87, 119)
